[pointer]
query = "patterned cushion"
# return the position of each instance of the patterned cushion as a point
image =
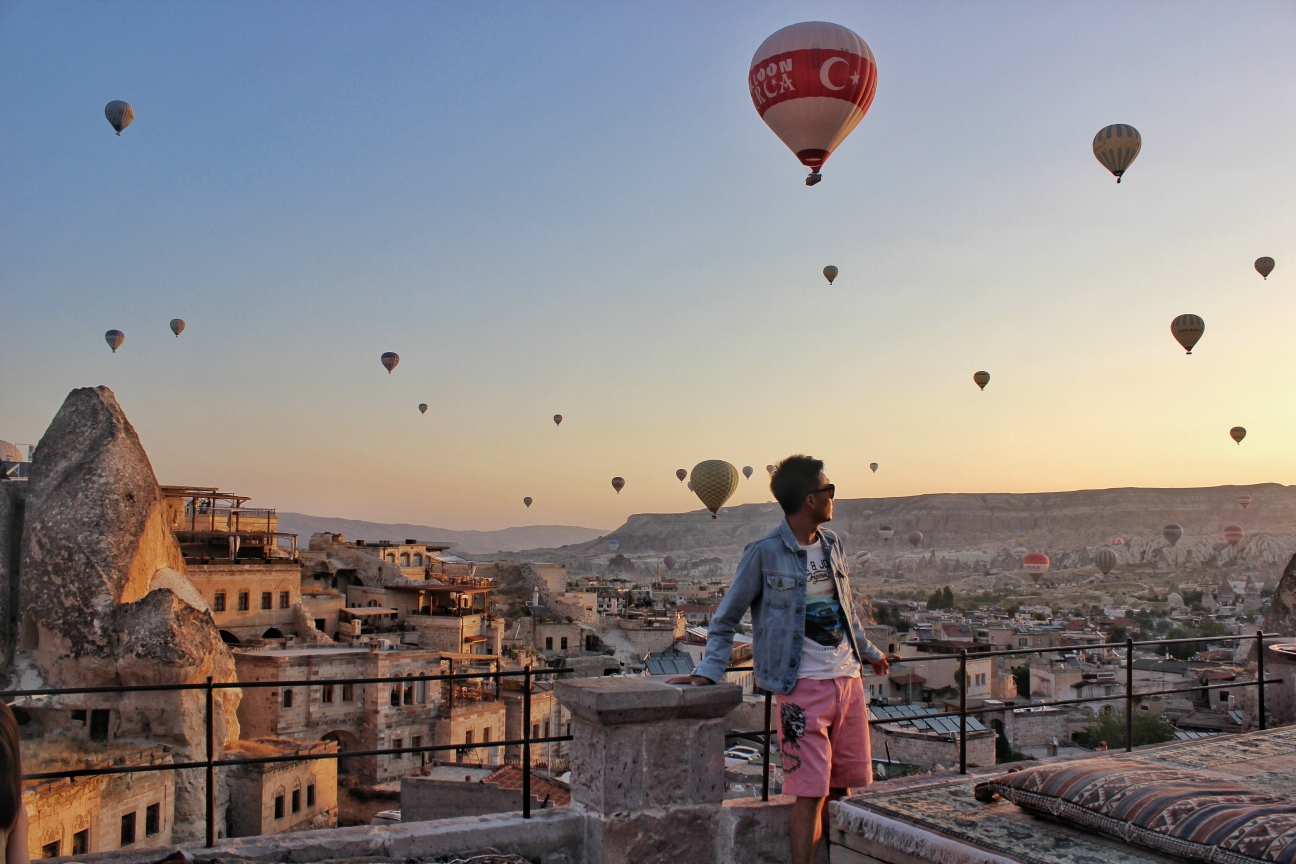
(1184, 813)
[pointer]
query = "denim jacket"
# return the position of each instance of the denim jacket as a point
(771, 580)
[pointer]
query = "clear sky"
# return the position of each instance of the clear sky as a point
(574, 208)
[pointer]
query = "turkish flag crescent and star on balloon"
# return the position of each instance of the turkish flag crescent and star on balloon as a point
(812, 83)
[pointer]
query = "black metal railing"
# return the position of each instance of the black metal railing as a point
(964, 712)
(211, 763)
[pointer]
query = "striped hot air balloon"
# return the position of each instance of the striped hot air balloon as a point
(1233, 534)
(1172, 533)
(886, 532)
(389, 360)
(812, 83)
(1245, 501)
(681, 474)
(1105, 559)
(120, 114)
(1036, 562)
(1187, 329)
(114, 338)
(1237, 433)
(981, 379)
(618, 483)
(714, 481)
(1116, 147)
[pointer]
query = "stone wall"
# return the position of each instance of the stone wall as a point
(254, 789)
(424, 798)
(927, 750)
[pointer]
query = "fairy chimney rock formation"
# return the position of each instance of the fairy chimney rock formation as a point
(104, 598)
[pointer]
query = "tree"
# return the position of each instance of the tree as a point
(941, 598)
(1149, 728)
(1185, 650)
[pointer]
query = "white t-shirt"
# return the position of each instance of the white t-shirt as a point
(826, 652)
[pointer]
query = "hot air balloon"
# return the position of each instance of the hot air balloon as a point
(1104, 559)
(914, 538)
(1019, 552)
(1237, 433)
(1036, 562)
(1172, 533)
(557, 419)
(681, 474)
(422, 407)
(614, 545)
(867, 514)
(981, 379)
(769, 468)
(114, 338)
(177, 326)
(119, 114)
(713, 482)
(812, 83)
(1116, 147)
(1233, 534)
(873, 467)
(618, 483)
(885, 532)
(1245, 501)
(1187, 329)
(1264, 266)
(747, 471)
(669, 561)
(830, 273)
(1115, 541)
(527, 501)
(389, 360)
(863, 557)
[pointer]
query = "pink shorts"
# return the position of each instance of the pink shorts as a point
(824, 737)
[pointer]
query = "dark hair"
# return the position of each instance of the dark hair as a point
(793, 479)
(10, 768)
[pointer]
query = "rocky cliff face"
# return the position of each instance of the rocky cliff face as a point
(103, 598)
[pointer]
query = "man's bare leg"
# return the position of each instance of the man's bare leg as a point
(809, 824)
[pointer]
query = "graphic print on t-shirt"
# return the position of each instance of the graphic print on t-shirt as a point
(824, 622)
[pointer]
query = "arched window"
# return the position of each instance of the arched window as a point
(405, 559)
(391, 557)
(418, 559)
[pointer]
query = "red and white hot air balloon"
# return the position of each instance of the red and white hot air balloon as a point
(1036, 562)
(812, 83)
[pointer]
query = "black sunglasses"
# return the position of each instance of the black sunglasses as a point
(831, 489)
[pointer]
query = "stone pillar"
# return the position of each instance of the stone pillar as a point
(647, 764)
(1280, 699)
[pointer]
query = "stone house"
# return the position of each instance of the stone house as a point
(98, 814)
(443, 616)
(557, 638)
(253, 600)
(548, 719)
(275, 797)
(356, 717)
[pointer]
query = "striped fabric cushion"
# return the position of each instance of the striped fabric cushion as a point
(1183, 813)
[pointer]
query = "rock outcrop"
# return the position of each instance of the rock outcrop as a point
(325, 556)
(1282, 608)
(104, 599)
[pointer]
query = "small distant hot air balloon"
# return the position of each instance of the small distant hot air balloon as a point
(1172, 533)
(915, 538)
(873, 467)
(618, 483)
(1020, 538)
(557, 419)
(1187, 329)
(669, 561)
(981, 379)
(177, 326)
(863, 557)
(1245, 501)
(422, 407)
(714, 481)
(614, 545)
(1115, 541)
(885, 532)
(747, 471)
(1020, 552)
(1233, 534)
(114, 338)
(527, 501)
(1036, 562)
(681, 474)
(867, 514)
(1104, 559)
(830, 273)
(119, 114)
(389, 360)
(812, 83)
(1264, 266)
(1237, 433)
(1116, 147)
(769, 468)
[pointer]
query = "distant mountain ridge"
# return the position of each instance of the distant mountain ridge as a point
(470, 542)
(1049, 520)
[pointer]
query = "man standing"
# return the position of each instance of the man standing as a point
(807, 647)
